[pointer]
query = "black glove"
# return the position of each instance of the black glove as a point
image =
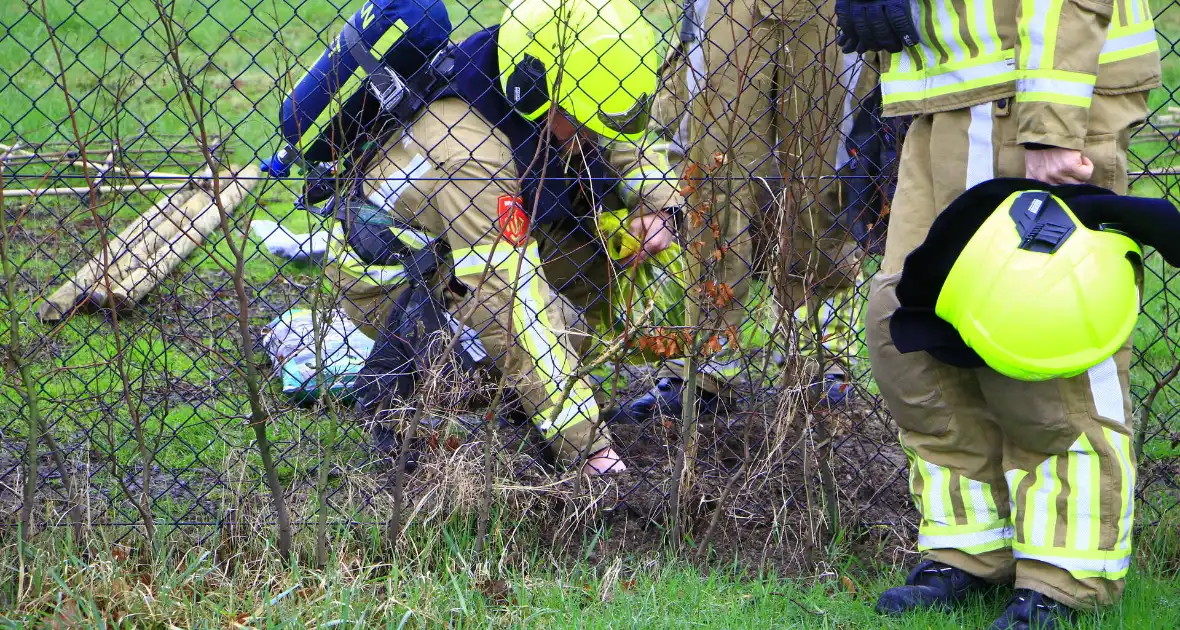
(875, 25)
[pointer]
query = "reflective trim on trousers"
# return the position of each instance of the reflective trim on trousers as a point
(988, 537)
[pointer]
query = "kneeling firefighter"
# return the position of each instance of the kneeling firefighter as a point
(525, 134)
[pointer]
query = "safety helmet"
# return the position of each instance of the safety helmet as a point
(1037, 294)
(595, 59)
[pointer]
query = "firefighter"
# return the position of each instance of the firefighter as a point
(505, 168)
(1018, 482)
(754, 117)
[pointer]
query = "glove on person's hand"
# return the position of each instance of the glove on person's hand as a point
(875, 25)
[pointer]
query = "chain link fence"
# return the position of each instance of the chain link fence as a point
(183, 332)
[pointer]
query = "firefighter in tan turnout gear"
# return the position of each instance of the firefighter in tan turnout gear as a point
(1021, 481)
(763, 84)
(507, 167)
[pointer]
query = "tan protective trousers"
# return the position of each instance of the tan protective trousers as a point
(756, 104)
(1027, 480)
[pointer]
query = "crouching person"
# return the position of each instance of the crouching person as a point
(531, 131)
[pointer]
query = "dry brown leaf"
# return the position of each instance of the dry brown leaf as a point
(119, 553)
(849, 586)
(452, 443)
(499, 592)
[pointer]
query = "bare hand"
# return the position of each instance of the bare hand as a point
(654, 232)
(604, 462)
(1058, 166)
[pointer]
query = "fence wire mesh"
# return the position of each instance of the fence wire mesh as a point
(185, 334)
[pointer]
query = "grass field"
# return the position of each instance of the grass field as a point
(181, 385)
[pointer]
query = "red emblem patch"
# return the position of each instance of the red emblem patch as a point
(514, 223)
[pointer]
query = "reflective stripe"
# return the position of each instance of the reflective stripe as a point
(852, 64)
(938, 495)
(1107, 391)
(1084, 512)
(350, 85)
(977, 501)
(352, 265)
(474, 260)
(1055, 86)
(537, 336)
(1038, 32)
(970, 542)
(929, 56)
(1122, 449)
(695, 73)
(980, 150)
(1013, 478)
(897, 87)
(948, 24)
(390, 190)
(1108, 565)
(1127, 42)
(983, 26)
(1041, 514)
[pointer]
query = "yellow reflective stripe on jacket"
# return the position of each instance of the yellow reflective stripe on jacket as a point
(472, 261)
(1125, 42)
(1037, 31)
(539, 339)
(948, 78)
(1055, 86)
(948, 24)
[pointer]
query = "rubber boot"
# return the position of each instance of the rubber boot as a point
(931, 585)
(1030, 610)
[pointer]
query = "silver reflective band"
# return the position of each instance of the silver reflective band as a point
(1124, 42)
(1002, 70)
(965, 541)
(1055, 86)
(1107, 565)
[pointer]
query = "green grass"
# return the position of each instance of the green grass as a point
(446, 587)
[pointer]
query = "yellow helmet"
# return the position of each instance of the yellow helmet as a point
(1013, 277)
(595, 59)
(1037, 294)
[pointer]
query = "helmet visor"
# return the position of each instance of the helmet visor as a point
(630, 122)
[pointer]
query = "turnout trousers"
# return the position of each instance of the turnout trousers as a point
(1031, 481)
(757, 101)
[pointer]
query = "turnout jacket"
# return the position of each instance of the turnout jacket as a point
(1051, 56)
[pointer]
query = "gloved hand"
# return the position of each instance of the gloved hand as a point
(875, 25)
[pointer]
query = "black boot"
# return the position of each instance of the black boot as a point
(666, 398)
(387, 442)
(1030, 610)
(931, 585)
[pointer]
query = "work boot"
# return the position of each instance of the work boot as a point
(666, 398)
(387, 443)
(834, 390)
(931, 585)
(1030, 610)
